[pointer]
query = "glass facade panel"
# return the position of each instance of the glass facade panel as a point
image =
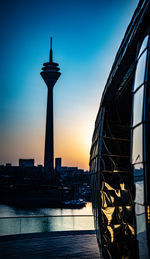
(137, 146)
(123, 178)
(140, 71)
(138, 106)
(144, 45)
(138, 173)
(140, 213)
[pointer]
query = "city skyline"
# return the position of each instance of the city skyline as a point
(86, 36)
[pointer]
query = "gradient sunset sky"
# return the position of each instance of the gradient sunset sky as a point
(86, 36)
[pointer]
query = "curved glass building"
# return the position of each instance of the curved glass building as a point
(120, 151)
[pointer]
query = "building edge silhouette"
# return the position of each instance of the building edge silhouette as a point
(120, 151)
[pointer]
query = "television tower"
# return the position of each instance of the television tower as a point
(50, 74)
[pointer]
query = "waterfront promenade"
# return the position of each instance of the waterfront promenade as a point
(53, 245)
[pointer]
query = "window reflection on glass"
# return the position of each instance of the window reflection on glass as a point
(138, 106)
(137, 145)
(140, 71)
(138, 171)
(140, 218)
(144, 45)
(141, 230)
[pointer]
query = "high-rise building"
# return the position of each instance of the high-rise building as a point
(120, 151)
(50, 74)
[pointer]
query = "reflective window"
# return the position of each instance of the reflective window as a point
(138, 106)
(141, 226)
(138, 173)
(137, 146)
(144, 45)
(140, 71)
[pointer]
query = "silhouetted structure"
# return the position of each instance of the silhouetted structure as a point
(25, 186)
(50, 73)
(57, 163)
(26, 162)
(120, 152)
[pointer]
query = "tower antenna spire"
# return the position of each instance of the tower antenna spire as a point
(51, 52)
(50, 74)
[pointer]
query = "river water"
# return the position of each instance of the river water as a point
(19, 221)
(10, 211)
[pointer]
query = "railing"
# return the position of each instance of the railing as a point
(36, 224)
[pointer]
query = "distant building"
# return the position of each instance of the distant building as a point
(57, 163)
(24, 174)
(26, 162)
(8, 164)
(71, 172)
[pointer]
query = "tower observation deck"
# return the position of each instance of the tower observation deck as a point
(50, 74)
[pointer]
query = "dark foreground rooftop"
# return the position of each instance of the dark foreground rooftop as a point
(54, 245)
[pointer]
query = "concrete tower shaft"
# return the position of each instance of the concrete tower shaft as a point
(50, 74)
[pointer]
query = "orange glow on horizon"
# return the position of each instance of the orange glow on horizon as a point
(73, 145)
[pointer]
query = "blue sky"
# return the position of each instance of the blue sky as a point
(86, 36)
